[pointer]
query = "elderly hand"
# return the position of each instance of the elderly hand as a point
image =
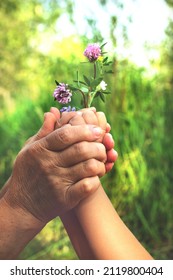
(53, 174)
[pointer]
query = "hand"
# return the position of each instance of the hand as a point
(53, 174)
(90, 116)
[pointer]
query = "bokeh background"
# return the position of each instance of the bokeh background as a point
(43, 40)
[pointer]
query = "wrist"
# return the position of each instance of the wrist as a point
(18, 228)
(13, 203)
(23, 219)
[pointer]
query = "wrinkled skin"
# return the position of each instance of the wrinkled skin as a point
(51, 175)
(57, 169)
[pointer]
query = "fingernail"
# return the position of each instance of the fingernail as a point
(52, 108)
(110, 135)
(115, 154)
(93, 109)
(97, 131)
(44, 116)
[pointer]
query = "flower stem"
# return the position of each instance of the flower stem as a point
(84, 98)
(95, 70)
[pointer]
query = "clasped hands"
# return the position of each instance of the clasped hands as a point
(57, 174)
(61, 165)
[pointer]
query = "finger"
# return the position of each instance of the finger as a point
(108, 128)
(84, 151)
(90, 117)
(47, 127)
(82, 189)
(109, 166)
(108, 141)
(68, 135)
(112, 155)
(65, 118)
(77, 120)
(56, 112)
(102, 122)
(87, 109)
(85, 169)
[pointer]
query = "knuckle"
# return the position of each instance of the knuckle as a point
(27, 158)
(101, 151)
(29, 153)
(63, 135)
(90, 185)
(34, 149)
(37, 156)
(90, 117)
(86, 131)
(86, 186)
(77, 120)
(91, 166)
(81, 148)
(33, 158)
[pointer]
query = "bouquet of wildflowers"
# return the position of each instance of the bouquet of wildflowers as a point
(89, 87)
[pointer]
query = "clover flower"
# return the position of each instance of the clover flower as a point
(62, 94)
(67, 109)
(92, 52)
(87, 86)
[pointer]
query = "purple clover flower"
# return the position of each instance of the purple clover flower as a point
(67, 109)
(62, 94)
(92, 52)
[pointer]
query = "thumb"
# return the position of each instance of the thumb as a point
(68, 135)
(47, 127)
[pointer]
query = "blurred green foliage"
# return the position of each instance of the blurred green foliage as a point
(140, 111)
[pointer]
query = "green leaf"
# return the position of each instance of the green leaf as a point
(56, 83)
(103, 45)
(105, 59)
(87, 81)
(107, 92)
(81, 82)
(96, 82)
(109, 72)
(84, 89)
(72, 87)
(102, 96)
(77, 76)
(97, 94)
(107, 63)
